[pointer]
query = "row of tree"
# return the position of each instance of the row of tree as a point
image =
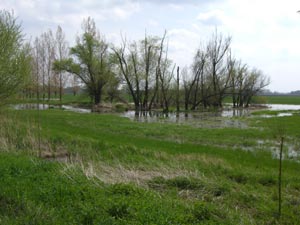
(45, 82)
(152, 80)
(216, 74)
(140, 69)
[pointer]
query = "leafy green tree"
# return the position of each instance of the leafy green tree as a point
(14, 56)
(90, 61)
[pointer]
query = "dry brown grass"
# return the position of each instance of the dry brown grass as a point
(125, 174)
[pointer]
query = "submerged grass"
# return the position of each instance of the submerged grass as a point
(115, 171)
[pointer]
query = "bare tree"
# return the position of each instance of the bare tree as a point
(61, 54)
(217, 49)
(48, 58)
(164, 75)
(198, 84)
(187, 85)
(75, 84)
(177, 90)
(143, 65)
(254, 83)
(128, 70)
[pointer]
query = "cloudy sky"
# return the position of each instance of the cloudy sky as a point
(265, 33)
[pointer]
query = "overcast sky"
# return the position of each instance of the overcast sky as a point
(265, 33)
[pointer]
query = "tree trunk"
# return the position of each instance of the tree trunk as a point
(177, 93)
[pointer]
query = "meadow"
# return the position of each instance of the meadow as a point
(61, 167)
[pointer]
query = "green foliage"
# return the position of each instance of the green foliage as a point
(90, 61)
(14, 57)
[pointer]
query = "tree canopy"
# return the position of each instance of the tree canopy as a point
(89, 60)
(14, 57)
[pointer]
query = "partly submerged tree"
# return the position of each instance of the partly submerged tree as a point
(216, 74)
(14, 56)
(90, 60)
(147, 72)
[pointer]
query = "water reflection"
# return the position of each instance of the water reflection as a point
(225, 117)
(214, 119)
(41, 106)
(282, 107)
(32, 106)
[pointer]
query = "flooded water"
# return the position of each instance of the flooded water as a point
(282, 107)
(225, 117)
(47, 106)
(216, 119)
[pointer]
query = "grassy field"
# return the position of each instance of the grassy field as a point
(104, 169)
(293, 100)
(84, 100)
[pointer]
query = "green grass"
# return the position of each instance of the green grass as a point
(282, 99)
(293, 100)
(109, 170)
(82, 100)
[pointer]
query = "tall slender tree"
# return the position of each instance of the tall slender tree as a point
(61, 54)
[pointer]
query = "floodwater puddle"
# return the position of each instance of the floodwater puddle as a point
(277, 115)
(218, 119)
(41, 106)
(226, 117)
(283, 107)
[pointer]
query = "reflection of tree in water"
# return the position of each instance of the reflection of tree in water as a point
(198, 119)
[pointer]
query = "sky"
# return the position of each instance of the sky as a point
(265, 33)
